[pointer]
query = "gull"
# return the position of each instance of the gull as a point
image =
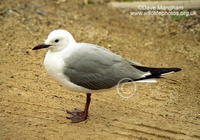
(88, 68)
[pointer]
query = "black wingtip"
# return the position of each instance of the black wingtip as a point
(177, 69)
(156, 72)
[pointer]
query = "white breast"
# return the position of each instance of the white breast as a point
(54, 66)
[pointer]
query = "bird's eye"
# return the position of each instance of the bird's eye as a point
(56, 40)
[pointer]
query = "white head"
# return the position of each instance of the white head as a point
(57, 41)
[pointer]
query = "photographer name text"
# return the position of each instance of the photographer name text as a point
(162, 10)
(160, 7)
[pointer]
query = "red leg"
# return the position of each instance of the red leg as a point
(78, 115)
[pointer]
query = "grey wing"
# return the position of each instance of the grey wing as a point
(97, 68)
(134, 62)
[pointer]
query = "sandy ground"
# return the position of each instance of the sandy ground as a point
(33, 106)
